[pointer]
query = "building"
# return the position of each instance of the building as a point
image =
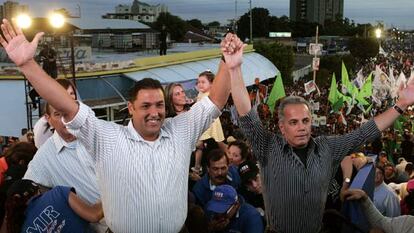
(317, 11)
(138, 11)
(11, 9)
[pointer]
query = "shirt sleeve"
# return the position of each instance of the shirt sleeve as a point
(98, 136)
(191, 124)
(257, 135)
(344, 145)
(401, 224)
(254, 223)
(36, 171)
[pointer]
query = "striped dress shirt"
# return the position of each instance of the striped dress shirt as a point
(296, 194)
(143, 185)
(66, 164)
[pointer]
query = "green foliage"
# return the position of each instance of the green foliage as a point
(281, 56)
(260, 22)
(363, 48)
(174, 24)
(333, 64)
(214, 24)
(196, 23)
(304, 29)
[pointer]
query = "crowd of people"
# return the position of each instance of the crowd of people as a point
(213, 164)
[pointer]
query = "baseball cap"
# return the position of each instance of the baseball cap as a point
(224, 196)
(248, 170)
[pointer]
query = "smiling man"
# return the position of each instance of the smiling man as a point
(297, 168)
(142, 169)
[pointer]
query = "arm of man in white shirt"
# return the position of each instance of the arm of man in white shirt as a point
(22, 53)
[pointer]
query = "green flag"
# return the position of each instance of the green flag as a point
(346, 83)
(399, 123)
(335, 97)
(278, 91)
(366, 91)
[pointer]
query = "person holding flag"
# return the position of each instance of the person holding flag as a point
(296, 167)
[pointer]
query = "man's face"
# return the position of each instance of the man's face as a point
(148, 113)
(379, 177)
(54, 118)
(255, 185)
(388, 171)
(296, 125)
(218, 171)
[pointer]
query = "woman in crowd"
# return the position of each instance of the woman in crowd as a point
(175, 100)
(238, 152)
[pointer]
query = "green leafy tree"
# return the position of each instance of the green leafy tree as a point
(196, 23)
(281, 56)
(333, 64)
(214, 24)
(260, 23)
(281, 24)
(174, 24)
(363, 48)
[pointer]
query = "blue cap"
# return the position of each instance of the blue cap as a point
(223, 197)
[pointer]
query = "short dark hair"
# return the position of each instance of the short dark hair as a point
(216, 155)
(244, 148)
(65, 83)
(381, 169)
(144, 84)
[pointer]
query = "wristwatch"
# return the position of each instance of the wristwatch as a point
(398, 109)
(347, 180)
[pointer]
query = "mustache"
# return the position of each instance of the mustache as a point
(221, 177)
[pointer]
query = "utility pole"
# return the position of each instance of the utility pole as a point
(235, 17)
(251, 24)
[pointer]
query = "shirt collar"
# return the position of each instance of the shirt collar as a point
(134, 135)
(312, 145)
(60, 143)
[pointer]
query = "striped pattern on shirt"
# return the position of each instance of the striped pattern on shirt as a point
(65, 164)
(296, 194)
(143, 185)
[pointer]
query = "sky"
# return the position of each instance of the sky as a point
(392, 13)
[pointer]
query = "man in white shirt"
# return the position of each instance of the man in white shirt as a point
(142, 169)
(385, 199)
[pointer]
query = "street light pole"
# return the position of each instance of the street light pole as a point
(251, 25)
(235, 16)
(72, 59)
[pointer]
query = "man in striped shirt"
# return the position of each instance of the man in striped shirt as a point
(296, 169)
(142, 169)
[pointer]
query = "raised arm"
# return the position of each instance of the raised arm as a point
(232, 49)
(91, 213)
(405, 99)
(239, 92)
(22, 53)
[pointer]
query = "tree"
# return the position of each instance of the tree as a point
(214, 24)
(333, 64)
(281, 24)
(174, 24)
(260, 23)
(281, 56)
(363, 48)
(196, 23)
(303, 28)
